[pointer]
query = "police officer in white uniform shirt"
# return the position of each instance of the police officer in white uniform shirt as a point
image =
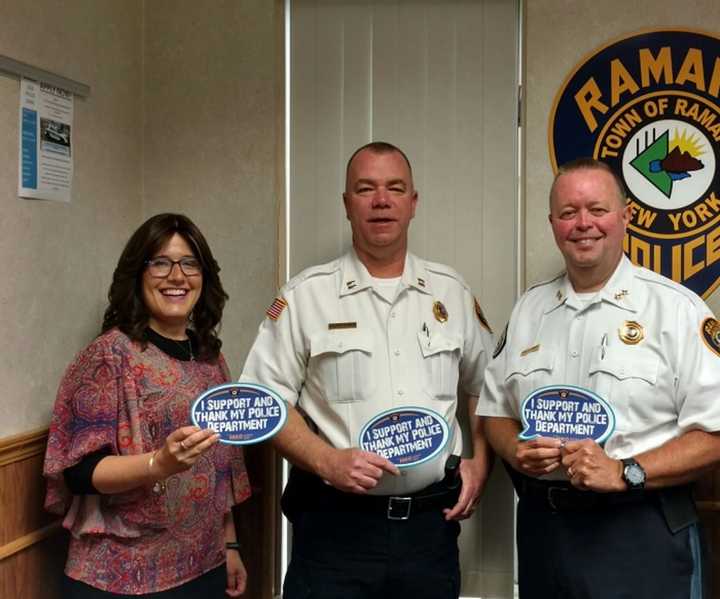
(613, 519)
(375, 330)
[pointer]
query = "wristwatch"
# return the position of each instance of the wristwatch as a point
(633, 474)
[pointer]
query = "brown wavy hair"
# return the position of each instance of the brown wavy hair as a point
(126, 309)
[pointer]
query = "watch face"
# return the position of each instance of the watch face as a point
(634, 474)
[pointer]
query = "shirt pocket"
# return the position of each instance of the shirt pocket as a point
(528, 373)
(627, 379)
(441, 364)
(343, 362)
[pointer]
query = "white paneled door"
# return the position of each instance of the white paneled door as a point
(438, 79)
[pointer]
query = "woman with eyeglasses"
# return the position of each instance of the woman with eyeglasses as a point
(148, 497)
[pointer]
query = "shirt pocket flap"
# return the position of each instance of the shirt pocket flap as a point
(437, 343)
(339, 342)
(627, 364)
(541, 359)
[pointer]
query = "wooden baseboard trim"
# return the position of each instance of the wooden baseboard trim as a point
(23, 446)
(708, 506)
(31, 538)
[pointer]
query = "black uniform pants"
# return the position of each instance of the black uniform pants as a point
(341, 550)
(617, 551)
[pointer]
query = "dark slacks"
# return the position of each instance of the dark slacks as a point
(345, 546)
(364, 555)
(619, 551)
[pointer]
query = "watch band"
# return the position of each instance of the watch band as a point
(232, 545)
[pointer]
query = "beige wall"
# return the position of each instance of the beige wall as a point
(56, 258)
(559, 33)
(210, 142)
(181, 117)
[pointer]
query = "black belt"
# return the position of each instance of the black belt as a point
(307, 492)
(561, 496)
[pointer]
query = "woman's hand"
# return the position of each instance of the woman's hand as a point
(182, 449)
(236, 574)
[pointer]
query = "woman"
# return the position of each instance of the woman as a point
(148, 497)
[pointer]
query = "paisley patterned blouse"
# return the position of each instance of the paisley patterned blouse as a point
(117, 397)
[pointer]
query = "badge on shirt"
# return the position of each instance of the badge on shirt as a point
(710, 331)
(481, 316)
(406, 436)
(566, 412)
(276, 308)
(631, 332)
(440, 312)
(242, 413)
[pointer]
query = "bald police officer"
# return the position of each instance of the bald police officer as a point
(375, 330)
(612, 518)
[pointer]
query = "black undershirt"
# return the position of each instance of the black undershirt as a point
(78, 478)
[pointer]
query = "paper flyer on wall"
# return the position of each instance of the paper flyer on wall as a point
(46, 163)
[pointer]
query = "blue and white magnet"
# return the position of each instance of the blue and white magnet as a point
(406, 436)
(242, 413)
(566, 412)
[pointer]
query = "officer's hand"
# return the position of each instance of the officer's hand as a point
(356, 471)
(590, 468)
(538, 456)
(473, 475)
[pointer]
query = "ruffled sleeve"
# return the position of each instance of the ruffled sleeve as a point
(85, 417)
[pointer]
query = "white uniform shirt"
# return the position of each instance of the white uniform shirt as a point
(659, 388)
(345, 350)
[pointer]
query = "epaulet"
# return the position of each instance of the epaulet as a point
(653, 278)
(546, 282)
(319, 270)
(445, 271)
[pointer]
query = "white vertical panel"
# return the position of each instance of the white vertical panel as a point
(438, 79)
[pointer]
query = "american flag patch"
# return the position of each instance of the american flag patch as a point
(276, 308)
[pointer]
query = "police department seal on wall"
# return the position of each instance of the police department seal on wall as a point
(649, 105)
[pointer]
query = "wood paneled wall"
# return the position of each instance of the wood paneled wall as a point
(32, 543)
(707, 494)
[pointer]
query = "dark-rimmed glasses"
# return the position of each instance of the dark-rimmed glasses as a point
(162, 266)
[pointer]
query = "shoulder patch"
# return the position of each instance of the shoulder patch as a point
(501, 342)
(481, 316)
(276, 308)
(710, 332)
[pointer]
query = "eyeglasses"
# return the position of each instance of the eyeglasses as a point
(162, 266)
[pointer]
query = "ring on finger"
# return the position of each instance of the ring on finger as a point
(571, 472)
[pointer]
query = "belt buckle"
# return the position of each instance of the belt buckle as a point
(551, 500)
(399, 508)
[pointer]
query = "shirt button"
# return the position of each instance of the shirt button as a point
(401, 392)
(397, 352)
(574, 354)
(392, 314)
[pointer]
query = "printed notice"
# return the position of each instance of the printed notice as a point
(45, 161)
(566, 412)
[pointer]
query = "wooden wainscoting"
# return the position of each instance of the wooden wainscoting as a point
(32, 543)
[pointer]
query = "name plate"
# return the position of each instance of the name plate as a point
(566, 412)
(406, 436)
(242, 413)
